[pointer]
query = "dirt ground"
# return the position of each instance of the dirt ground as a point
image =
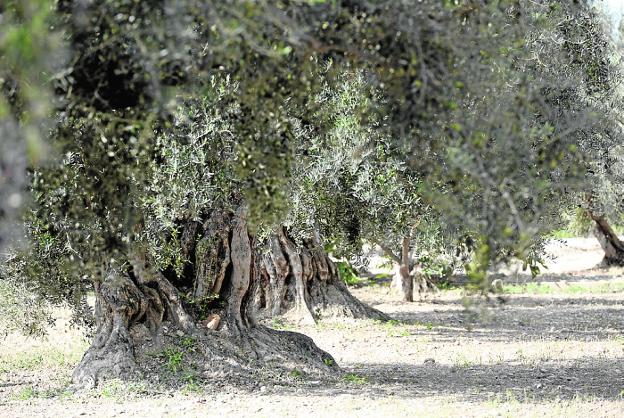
(549, 348)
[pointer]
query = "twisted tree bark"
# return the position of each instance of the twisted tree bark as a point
(302, 283)
(217, 302)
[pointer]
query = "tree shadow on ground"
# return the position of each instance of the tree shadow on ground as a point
(523, 318)
(586, 377)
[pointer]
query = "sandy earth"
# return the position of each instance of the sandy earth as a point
(550, 350)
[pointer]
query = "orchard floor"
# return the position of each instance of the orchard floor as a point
(554, 347)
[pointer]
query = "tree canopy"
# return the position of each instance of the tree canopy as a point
(253, 134)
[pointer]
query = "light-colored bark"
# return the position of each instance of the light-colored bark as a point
(407, 285)
(141, 311)
(609, 241)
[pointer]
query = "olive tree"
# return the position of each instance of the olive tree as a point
(193, 135)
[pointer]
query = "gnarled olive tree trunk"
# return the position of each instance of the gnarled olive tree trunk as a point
(302, 283)
(216, 303)
(613, 247)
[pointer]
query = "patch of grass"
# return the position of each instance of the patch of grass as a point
(394, 328)
(428, 325)
(190, 376)
(173, 357)
(463, 361)
(296, 374)
(192, 389)
(520, 355)
(447, 286)
(531, 288)
(119, 390)
(328, 362)
(570, 289)
(25, 394)
(30, 392)
(383, 276)
(41, 358)
(66, 394)
(281, 324)
(355, 378)
(189, 342)
(503, 399)
(112, 389)
(138, 388)
(401, 333)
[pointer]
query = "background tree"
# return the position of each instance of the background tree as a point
(594, 56)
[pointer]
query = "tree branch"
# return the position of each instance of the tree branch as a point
(388, 252)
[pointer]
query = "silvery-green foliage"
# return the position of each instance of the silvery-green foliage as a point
(351, 182)
(191, 171)
(21, 310)
(520, 125)
(462, 118)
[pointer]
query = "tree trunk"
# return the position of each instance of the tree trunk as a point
(420, 283)
(407, 284)
(302, 283)
(613, 247)
(143, 312)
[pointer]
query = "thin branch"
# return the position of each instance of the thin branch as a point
(388, 252)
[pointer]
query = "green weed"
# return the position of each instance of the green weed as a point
(112, 389)
(173, 357)
(280, 324)
(355, 379)
(188, 342)
(192, 388)
(26, 393)
(570, 289)
(42, 358)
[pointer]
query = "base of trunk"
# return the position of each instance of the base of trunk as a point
(612, 246)
(202, 322)
(209, 313)
(419, 284)
(174, 356)
(133, 343)
(301, 283)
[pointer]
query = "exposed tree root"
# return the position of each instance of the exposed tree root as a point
(143, 312)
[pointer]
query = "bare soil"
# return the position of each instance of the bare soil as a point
(552, 348)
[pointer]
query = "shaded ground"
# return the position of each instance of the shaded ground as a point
(554, 348)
